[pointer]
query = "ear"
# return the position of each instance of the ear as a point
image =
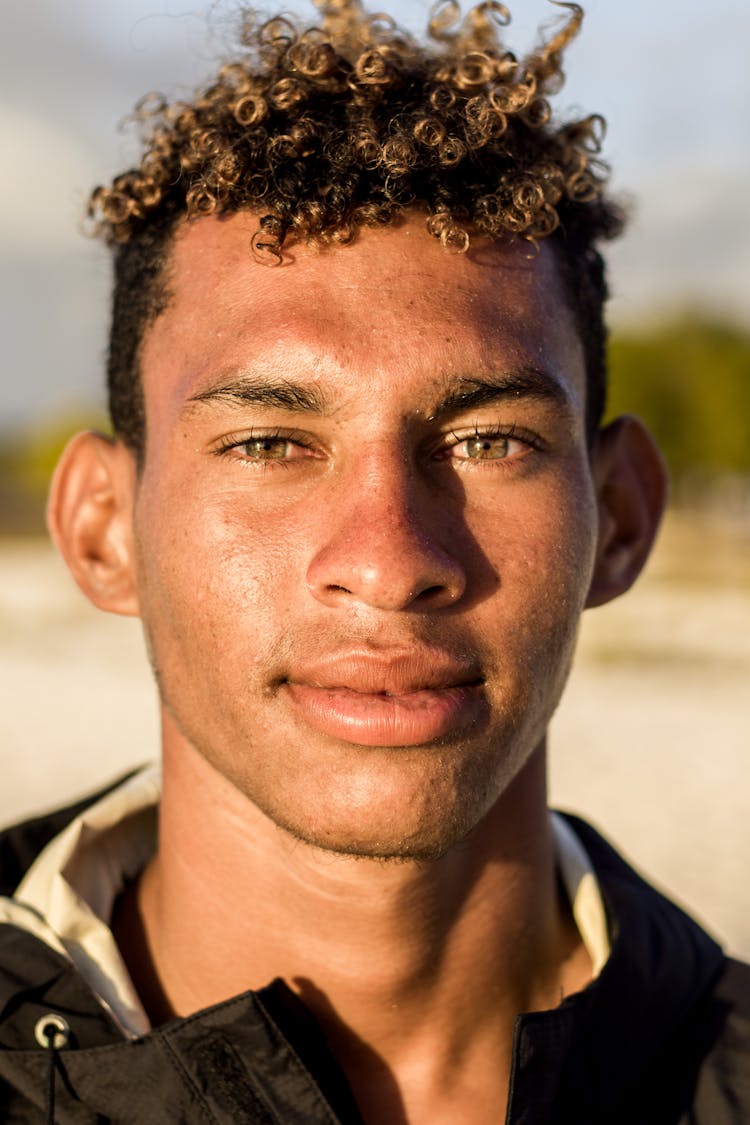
(90, 518)
(631, 486)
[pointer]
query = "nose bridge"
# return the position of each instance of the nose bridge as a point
(386, 486)
(382, 546)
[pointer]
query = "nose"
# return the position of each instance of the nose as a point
(382, 549)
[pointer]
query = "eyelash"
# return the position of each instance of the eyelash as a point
(234, 441)
(441, 453)
(511, 433)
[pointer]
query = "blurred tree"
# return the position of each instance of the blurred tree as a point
(689, 379)
(27, 460)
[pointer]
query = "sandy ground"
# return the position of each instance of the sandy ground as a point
(652, 742)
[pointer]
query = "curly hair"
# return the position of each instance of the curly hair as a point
(322, 131)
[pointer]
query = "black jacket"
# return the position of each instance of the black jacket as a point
(662, 1037)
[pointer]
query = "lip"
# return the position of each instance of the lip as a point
(406, 700)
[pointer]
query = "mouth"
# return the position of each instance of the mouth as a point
(412, 701)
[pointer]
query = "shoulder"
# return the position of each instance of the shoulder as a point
(21, 843)
(683, 993)
(731, 996)
(733, 988)
(722, 1088)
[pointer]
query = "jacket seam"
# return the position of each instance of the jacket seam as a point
(182, 1070)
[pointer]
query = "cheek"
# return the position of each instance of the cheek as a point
(543, 553)
(214, 579)
(541, 537)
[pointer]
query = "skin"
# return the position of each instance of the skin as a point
(379, 538)
(361, 599)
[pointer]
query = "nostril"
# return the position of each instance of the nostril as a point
(444, 594)
(394, 573)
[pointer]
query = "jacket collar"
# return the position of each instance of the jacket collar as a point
(593, 1051)
(571, 1063)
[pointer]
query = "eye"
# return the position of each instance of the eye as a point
(266, 448)
(485, 446)
(263, 448)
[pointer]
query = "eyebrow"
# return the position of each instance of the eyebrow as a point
(467, 393)
(251, 390)
(528, 383)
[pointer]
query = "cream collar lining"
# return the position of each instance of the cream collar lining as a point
(68, 894)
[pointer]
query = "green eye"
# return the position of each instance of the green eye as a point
(266, 448)
(486, 448)
(263, 449)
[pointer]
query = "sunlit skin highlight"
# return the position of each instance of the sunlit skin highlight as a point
(377, 533)
(365, 528)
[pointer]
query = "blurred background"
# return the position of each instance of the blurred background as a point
(653, 740)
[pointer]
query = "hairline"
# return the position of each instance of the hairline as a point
(165, 272)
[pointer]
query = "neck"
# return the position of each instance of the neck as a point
(401, 962)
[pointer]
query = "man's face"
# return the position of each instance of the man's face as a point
(365, 525)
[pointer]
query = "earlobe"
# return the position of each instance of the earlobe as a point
(631, 485)
(89, 515)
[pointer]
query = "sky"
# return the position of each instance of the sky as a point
(670, 77)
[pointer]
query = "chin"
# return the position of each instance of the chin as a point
(416, 810)
(426, 842)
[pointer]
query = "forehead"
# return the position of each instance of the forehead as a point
(393, 307)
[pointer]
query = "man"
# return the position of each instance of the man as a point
(359, 496)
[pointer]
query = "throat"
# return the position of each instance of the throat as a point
(129, 931)
(415, 972)
(433, 1045)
